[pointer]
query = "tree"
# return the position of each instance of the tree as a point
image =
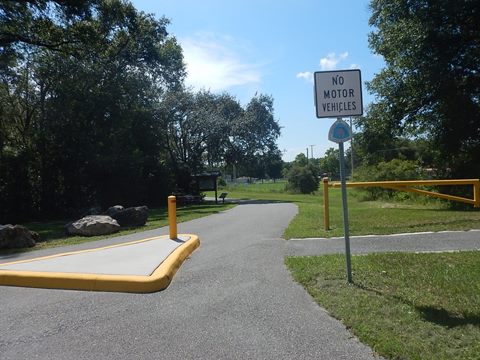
(196, 127)
(430, 86)
(50, 24)
(253, 133)
(206, 130)
(262, 166)
(274, 164)
(330, 164)
(79, 128)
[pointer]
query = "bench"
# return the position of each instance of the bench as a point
(223, 196)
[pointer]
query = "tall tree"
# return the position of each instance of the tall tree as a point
(197, 126)
(430, 87)
(56, 25)
(80, 126)
(254, 133)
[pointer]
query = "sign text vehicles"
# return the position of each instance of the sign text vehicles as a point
(338, 93)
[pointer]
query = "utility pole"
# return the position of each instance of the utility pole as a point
(311, 152)
(307, 154)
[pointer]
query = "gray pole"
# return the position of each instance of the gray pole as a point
(311, 151)
(351, 148)
(346, 229)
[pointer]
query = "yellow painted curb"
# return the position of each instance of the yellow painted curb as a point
(158, 280)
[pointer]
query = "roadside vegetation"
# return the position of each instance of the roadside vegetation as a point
(404, 306)
(53, 232)
(366, 217)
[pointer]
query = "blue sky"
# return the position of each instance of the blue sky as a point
(272, 47)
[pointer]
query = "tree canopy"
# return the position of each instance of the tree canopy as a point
(94, 111)
(430, 87)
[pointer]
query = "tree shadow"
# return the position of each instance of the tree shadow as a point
(444, 318)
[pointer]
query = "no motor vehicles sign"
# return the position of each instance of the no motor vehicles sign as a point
(338, 93)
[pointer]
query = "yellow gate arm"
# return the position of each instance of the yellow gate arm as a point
(405, 186)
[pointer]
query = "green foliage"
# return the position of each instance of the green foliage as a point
(205, 129)
(330, 164)
(253, 136)
(366, 217)
(77, 119)
(388, 171)
(302, 177)
(53, 232)
(430, 87)
(249, 189)
(93, 112)
(221, 183)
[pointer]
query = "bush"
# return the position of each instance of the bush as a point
(221, 183)
(389, 171)
(302, 179)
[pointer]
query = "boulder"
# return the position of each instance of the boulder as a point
(113, 210)
(132, 216)
(93, 225)
(17, 236)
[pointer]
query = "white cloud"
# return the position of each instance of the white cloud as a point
(331, 60)
(213, 64)
(307, 75)
(328, 62)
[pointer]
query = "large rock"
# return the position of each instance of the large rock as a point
(132, 216)
(93, 225)
(17, 236)
(113, 210)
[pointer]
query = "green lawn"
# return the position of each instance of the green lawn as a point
(53, 231)
(404, 306)
(366, 217)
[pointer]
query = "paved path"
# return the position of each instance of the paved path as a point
(418, 242)
(233, 299)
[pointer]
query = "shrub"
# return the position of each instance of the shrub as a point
(302, 179)
(388, 171)
(221, 183)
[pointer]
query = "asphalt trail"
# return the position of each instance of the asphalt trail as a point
(233, 299)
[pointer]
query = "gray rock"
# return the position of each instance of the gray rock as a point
(93, 225)
(132, 216)
(17, 236)
(113, 210)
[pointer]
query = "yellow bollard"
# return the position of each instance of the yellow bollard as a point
(326, 206)
(172, 216)
(476, 194)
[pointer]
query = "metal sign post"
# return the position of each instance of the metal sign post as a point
(346, 228)
(339, 94)
(339, 133)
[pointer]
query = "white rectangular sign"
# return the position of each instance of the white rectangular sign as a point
(338, 93)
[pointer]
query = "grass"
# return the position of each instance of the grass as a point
(366, 217)
(54, 235)
(265, 187)
(404, 306)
